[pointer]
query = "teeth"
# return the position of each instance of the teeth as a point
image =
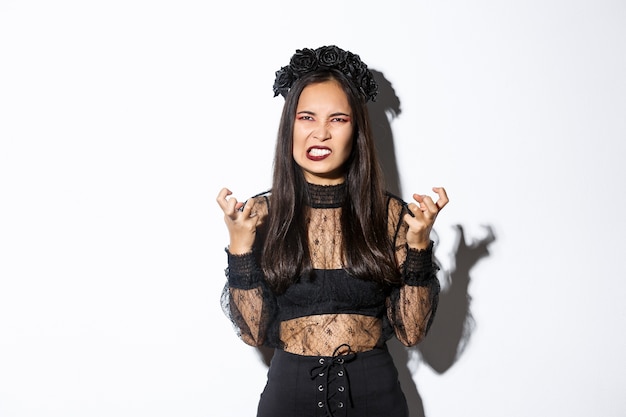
(319, 152)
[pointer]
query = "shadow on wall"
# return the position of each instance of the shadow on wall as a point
(453, 324)
(382, 112)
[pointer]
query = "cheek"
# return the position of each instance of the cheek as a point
(297, 143)
(299, 136)
(349, 143)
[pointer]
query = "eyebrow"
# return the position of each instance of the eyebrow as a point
(331, 115)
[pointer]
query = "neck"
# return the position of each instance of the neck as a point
(327, 196)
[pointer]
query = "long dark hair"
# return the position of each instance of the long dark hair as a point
(367, 248)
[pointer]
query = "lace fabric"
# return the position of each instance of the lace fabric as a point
(331, 308)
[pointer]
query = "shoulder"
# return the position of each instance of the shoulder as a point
(394, 203)
(396, 209)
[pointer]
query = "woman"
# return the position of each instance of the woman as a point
(327, 266)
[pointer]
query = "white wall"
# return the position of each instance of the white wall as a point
(121, 120)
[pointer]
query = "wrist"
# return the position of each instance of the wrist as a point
(418, 240)
(420, 245)
(239, 249)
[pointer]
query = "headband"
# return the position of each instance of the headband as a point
(306, 60)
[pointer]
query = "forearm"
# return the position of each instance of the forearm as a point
(412, 307)
(248, 298)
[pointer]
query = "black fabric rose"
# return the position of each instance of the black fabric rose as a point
(303, 62)
(330, 56)
(369, 87)
(283, 81)
(353, 64)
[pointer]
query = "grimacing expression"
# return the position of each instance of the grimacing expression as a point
(323, 132)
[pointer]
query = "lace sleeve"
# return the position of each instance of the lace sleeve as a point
(247, 301)
(411, 307)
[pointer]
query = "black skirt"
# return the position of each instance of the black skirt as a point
(356, 384)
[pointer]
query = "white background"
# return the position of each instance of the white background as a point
(121, 120)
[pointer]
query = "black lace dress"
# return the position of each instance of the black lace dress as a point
(328, 324)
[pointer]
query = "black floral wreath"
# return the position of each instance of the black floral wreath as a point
(308, 60)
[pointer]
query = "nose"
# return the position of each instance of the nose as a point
(322, 132)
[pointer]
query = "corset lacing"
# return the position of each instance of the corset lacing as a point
(334, 388)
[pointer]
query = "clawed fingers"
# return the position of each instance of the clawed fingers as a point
(443, 197)
(248, 208)
(424, 210)
(421, 217)
(228, 205)
(234, 209)
(426, 203)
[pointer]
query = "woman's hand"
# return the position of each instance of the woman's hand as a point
(424, 214)
(241, 221)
